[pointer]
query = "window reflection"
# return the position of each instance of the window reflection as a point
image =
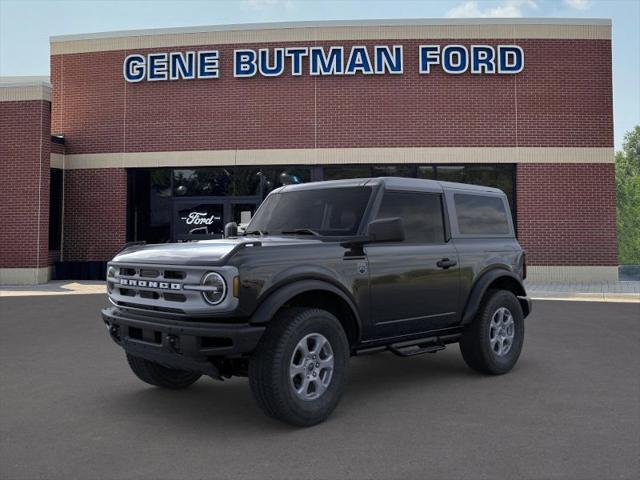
(238, 181)
(489, 175)
(154, 191)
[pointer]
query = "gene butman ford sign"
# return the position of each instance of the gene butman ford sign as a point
(327, 61)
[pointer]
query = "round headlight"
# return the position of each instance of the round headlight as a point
(216, 288)
(111, 276)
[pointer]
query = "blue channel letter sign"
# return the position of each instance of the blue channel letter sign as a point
(324, 61)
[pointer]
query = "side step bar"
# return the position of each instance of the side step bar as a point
(413, 347)
(411, 350)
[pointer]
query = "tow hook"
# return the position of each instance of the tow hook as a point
(114, 331)
(172, 341)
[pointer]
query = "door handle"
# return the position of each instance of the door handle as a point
(446, 263)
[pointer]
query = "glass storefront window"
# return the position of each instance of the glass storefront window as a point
(426, 171)
(199, 220)
(202, 182)
(160, 199)
(246, 181)
(346, 171)
(242, 212)
(450, 173)
(365, 171)
(393, 171)
(274, 177)
(155, 193)
(237, 181)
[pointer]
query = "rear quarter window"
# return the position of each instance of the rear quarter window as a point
(481, 215)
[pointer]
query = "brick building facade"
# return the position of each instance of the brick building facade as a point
(139, 154)
(25, 126)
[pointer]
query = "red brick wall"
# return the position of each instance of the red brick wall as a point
(57, 148)
(562, 98)
(24, 196)
(95, 213)
(567, 213)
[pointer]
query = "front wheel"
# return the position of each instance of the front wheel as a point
(493, 341)
(298, 372)
(159, 375)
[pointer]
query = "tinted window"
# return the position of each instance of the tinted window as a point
(497, 176)
(331, 211)
(481, 215)
(421, 214)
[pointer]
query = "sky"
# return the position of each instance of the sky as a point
(25, 26)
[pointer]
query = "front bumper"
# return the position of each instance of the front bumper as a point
(179, 344)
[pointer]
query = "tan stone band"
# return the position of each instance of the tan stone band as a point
(441, 29)
(24, 276)
(336, 156)
(23, 93)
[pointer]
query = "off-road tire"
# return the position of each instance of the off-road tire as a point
(269, 375)
(475, 344)
(160, 376)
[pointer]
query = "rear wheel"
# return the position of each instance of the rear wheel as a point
(160, 376)
(493, 341)
(298, 372)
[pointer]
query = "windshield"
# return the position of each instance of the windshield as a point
(326, 212)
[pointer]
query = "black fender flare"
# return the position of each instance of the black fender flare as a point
(281, 295)
(481, 286)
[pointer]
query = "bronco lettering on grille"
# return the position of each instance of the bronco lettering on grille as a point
(130, 282)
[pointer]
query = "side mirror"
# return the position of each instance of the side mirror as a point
(386, 230)
(231, 230)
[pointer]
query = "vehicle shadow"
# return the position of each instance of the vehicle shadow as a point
(210, 403)
(392, 372)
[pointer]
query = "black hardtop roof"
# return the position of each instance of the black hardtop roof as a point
(401, 183)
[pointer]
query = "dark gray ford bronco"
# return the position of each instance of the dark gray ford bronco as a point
(324, 271)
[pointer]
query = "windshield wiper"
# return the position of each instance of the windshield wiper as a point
(256, 232)
(301, 231)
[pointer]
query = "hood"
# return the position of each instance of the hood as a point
(203, 252)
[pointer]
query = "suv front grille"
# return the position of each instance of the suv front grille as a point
(159, 288)
(147, 293)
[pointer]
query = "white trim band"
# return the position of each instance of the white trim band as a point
(434, 29)
(336, 156)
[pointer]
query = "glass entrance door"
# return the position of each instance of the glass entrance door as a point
(205, 217)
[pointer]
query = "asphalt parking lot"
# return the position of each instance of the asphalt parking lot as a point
(71, 409)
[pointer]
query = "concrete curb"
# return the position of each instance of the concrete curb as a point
(590, 297)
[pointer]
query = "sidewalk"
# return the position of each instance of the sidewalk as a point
(584, 291)
(56, 287)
